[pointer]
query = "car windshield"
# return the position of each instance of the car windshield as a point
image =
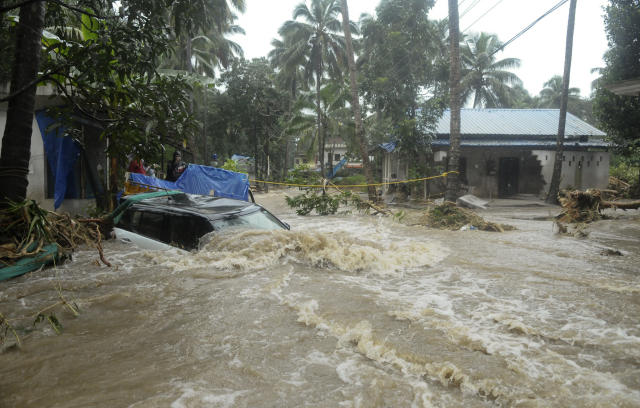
(256, 220)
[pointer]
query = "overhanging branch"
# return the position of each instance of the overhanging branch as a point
(58, 2)
(26, 87)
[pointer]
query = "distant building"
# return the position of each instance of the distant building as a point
(512, 151)
(335, 149)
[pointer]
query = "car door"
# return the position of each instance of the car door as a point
(185, 230)
(147, 230)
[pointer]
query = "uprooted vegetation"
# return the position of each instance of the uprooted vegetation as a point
(449, 216)
(582, 207)
(586, 206)
(324, 203)
(27, 228)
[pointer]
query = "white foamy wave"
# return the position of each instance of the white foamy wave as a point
(251, 250)
(197, 395)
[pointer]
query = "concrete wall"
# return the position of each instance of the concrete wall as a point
(580, 169)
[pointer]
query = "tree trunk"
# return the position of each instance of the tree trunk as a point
(355, 103)
(255, 151)
(320, 125)
(554, 186)
(16, 141)
(453, 181)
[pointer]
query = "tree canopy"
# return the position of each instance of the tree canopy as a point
(619, 116)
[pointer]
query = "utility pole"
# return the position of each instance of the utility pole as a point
(453, 181)
(554, 186)
(355, 103)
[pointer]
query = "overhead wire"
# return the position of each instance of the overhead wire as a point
(527, 28)
(471, 7)
(482, 16)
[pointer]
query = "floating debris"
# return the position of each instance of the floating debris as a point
(586, 206)
(27, 229)
(449, 216)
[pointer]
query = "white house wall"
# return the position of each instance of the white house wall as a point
(580, 169)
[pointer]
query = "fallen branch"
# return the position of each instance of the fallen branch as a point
(586, 206)
(27, 228)
(633, 205)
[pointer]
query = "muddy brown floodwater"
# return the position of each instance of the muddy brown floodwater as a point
(341, 311)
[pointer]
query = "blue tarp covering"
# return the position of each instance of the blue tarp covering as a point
(62, 154)
(152, 181)
(198, 179)
(389, 146)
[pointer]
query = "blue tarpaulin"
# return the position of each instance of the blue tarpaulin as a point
(203, 180)
(62, 154)
(143, 180)
(198, 179)
(389, 146)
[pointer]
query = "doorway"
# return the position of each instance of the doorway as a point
(508, 175)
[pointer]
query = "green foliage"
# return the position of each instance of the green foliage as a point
(628, 171)
(302, 174)
(625, 171)
(326, 204)
(354, 179)
(104, 61)
(619, 116)
(482, 76)
(404, 57)
(230, 165)
(251, 115)
(323, 204)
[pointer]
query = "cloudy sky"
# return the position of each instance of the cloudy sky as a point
(541, 49)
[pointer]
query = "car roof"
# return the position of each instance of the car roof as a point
(207, 206)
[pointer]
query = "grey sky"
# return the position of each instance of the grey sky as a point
(541, 49)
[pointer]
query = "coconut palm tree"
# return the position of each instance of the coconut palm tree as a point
(482, 76)
(551, 94)
(453, 181)
(16, 141)
(199, 50)
(289, 58)
(314, 32)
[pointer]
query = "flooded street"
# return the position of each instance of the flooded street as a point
(341, 311)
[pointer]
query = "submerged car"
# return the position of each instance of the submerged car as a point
(162, 220)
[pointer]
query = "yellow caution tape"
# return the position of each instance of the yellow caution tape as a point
(354, 185)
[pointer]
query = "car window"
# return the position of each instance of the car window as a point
(186, 230)
(256, 220)
(129, 220)
(152, 225)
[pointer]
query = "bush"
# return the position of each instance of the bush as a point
(302, 174)
(352, 180)
(323, 204)
(231, 165)
(628, 173)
